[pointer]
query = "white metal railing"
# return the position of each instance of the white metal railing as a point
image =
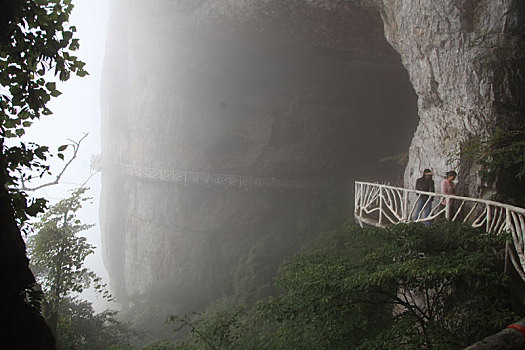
(381, 205)
(203, 178)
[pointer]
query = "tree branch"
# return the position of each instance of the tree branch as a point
(76, 147)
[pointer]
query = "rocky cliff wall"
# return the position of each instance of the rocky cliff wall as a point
(466, 63)
(306, 90)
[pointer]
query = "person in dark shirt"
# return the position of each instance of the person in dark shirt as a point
(424, 204)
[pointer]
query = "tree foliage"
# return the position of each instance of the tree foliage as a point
(58, 254)
(36, 50)
(503, 150)
(501, 157)
(34, 40)
(82, 329)
(225, 329)
(405, 287)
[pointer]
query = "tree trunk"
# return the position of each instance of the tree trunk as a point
(21, 326)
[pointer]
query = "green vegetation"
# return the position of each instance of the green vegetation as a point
(502, 160)
(81, 328)
(35, 42)
(58, 252)
(502, 151)
(36, 50)
(252, 273)
(405, 287)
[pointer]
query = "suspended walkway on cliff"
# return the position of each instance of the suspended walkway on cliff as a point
(382, 205)
(189, 177)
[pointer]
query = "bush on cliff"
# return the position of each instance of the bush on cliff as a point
(406, 287)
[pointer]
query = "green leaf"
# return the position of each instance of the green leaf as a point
(24, 114)
(64, 75)
(62, 148)
(55, 93)
(82, 73)
(61, 156)
(51, 86)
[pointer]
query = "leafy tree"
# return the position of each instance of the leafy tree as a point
(503, 150)
(58, 255)
(34, 39)
(37, 40)
(223, 329)
(502, 160)
(404, 287)
(80, 328)
(441, 286)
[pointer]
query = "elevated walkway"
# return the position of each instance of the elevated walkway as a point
(190, 177)
(381, 205)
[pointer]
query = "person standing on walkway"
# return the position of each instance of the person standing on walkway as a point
(449, 187)
(424, 203)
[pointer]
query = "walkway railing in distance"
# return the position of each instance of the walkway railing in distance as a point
(382, 205)
(190, 177)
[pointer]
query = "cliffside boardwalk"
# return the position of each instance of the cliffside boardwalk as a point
(190, 177)
(381, 205)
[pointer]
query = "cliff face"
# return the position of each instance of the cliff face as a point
(301, 90)
(466, 63)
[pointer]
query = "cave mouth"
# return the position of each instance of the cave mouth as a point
(273, 107)
(294, 90)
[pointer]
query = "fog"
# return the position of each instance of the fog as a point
(193, 96)
(207, 93)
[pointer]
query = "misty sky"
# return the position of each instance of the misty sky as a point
(76, 112)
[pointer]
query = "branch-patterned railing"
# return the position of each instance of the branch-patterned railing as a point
(381, 205)
(190, 177)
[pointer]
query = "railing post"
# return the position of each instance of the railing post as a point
(489, 217)
(356, 197)
(362, 200)
(405, 206)
(508, 223)
(380, 205)
(447, 208)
